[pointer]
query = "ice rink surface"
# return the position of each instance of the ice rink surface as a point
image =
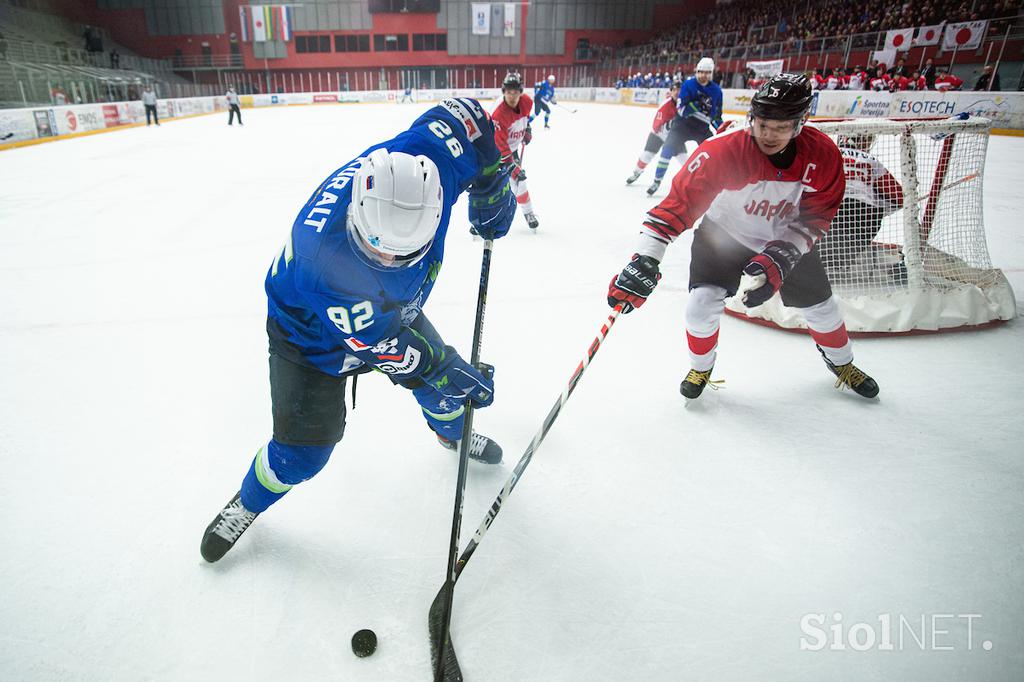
(648, 539)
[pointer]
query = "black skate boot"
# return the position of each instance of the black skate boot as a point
(224, 531)
(481, 448)
(849, 375)
(654, 187)
(637, 172)
(531, 220)
(694, 383)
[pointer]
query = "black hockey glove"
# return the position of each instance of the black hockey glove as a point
(634, 284)
(528, 136)
(768, 269)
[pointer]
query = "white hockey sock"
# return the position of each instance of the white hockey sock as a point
(828, 330)
(703, 312)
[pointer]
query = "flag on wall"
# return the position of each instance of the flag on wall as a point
(510, 19)
(928, 35)
(481, 18)
(243, 23)
(269, 22)
(966, 35)
(899, 39)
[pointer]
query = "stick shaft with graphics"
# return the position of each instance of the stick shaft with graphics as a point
(451, 670)
(446, 666)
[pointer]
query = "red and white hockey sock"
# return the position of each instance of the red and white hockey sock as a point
(829, 331)
(703, 312)
(645, 158)
(522, 195)
(524, 202)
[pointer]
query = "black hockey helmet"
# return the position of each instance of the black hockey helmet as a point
(513, 81)
(784, 97)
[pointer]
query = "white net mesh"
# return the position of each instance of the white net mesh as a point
(907, 249)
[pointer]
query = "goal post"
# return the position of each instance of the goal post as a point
(907, 251)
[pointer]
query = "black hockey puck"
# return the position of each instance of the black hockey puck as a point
(364, 643)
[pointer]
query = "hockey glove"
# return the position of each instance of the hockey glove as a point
(634, 284)
(492, 206)
(528, 135)
(456, 379)
(767, 271)
(516, 171)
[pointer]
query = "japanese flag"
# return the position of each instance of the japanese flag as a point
(259, 23)
(966, 35)
(928, 35)
(899, 39)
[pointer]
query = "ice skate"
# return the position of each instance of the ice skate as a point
(225, 529)
(654, 187)
(637, 172)
(849, 375)
(694, 383)
(481, 448)
(531, 220)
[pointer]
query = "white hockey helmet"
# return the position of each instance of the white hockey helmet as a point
(706, 64)
(551, 78)
(396, 208)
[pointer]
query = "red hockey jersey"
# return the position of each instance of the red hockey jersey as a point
(666, 112)
(732, 182)
(510, 124)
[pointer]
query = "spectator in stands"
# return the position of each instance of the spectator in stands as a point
(947, 81)
(988, 80)
(149, 100)
(115, 60)
(93, 39)
(929, 74)
(233, 103)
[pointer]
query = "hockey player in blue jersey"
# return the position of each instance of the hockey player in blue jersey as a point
(346, 293)
(543, 95)
(698, 113)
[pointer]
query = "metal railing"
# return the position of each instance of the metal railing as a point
(206, 61)
(33, 52)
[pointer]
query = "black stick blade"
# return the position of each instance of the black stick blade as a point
(435, 624)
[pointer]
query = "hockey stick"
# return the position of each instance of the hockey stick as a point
(440, 612)
(441, 652)
(559, 104)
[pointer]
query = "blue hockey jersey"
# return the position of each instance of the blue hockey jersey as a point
(701, 102)
(544, 90)
(326, 301)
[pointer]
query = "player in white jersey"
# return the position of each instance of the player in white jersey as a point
(872, 193)
(766, 194)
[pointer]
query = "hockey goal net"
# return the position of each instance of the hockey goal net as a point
(907, 250)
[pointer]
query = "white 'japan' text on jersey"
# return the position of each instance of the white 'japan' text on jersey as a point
(731, 182)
